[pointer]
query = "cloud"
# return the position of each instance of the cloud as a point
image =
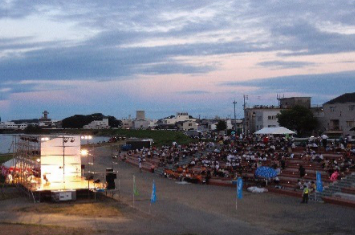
(206, 28)
(194, 92)
(320, 86)
(278, 64)
(110, 40)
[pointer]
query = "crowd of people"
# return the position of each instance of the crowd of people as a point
(224, 158)
(228, 158)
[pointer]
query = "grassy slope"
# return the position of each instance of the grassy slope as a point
(160, 137)
(5, 157)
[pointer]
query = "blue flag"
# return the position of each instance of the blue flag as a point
(319, 183)
(153, 198)
(240, 188)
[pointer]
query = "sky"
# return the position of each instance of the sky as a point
(166, 56)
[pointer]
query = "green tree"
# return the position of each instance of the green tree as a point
(298, 118)
(221, 125)
(78, 121)
(33, 129)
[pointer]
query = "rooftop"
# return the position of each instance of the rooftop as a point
(345, 98)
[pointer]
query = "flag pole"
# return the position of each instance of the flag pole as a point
(133, 189)
(150, 204)
(236, 199)
(119, 188)
(315, 191)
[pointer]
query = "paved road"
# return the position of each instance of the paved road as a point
(208, 209)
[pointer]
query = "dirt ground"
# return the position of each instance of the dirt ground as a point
(30, 229)
(102, 208)
(179, 209)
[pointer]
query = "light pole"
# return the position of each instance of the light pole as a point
(245, 97)
(235, 117)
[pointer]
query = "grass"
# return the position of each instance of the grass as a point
(5, 157)
(160, 137)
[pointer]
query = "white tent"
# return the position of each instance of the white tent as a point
(274, 131)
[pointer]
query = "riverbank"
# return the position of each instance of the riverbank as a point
(160, 137)
(5, 157)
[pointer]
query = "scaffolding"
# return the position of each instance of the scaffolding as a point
(27, 154)
(48, 164)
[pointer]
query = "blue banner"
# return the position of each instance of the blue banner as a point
(319, 184)
(240, 188)
(153, 198)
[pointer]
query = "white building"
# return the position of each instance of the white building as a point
(339, 115)
(127, 123)
(98, 124)
(259, 117)
(12, 126)
(189, 125)
(141, 124)
(180, 117)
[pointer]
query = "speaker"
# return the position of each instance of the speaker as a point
(110, 180)
(89, 176)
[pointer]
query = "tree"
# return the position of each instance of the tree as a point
(298, 118)
(78, 121)
(33, 129)
(221, 125)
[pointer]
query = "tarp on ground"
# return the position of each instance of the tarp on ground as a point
(274, 131)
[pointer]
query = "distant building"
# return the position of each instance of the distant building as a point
(46, 122)
(180, 117)
(261, 116)
(140, 115)
(12, 126)
(45, 116)
(189, 125)
(141, 122)
(318, 113)
(127, 123)
(339, 114)
(43, 122)
(98, 124)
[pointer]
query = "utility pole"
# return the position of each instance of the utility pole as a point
(235, 117)
(245, 97)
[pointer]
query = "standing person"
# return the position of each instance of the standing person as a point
(302, 171)
(283, 163)
(208, 176)
(305, 194)
(140, 164)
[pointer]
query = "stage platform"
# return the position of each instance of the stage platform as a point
(69, 183)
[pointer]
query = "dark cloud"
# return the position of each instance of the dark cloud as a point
(102, 58)
(331, 84)
(203, 28)
(125, 22)
(305, 39)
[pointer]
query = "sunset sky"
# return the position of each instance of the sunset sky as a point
(167, 56)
